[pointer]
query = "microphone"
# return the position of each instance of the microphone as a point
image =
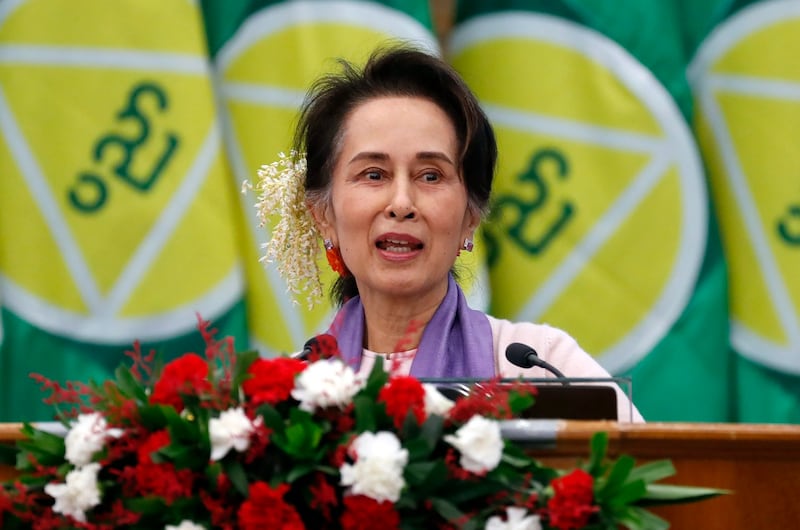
(308, 349)
(524, 356)
(318, 347)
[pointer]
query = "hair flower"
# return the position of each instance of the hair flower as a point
(293, 241)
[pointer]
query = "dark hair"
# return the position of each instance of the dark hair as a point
(394, 71)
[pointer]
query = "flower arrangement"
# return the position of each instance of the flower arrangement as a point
(235, 441)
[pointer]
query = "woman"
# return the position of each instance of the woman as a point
(398, 171)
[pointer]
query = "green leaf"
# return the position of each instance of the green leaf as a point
(213, 472)
(461, 492)
(302, 436)
(616, 478)
(637, 518)
(418, 473)
(627, 494)
(377, 379)
(145, 505)
(365, 416)
(237, 476)
(184, 430)
(417, 448)
(299, 470)
(129, 385)
(48, 449)
(519, 403)
(170, 414)
(421, 440)
(519, 461)
(153, 417)
(431, 431)
(272, 418)
(446, 509)
(599, 446)
(43, 441)
(243, 362)
(653, 471)
(301, 439)
(659, 494)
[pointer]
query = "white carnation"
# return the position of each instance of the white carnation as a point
(86, 436)
(185, 525)
(231, 430)
(378, 468)
(517, 519)
(326, 383)
(435, 402)
(78, 493)
(480, 443)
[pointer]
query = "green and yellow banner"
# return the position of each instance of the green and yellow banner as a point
(117, 217)
(266, 56)
(746, 85)
(601, 201)
(646, 200)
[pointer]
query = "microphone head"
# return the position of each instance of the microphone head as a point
(323, 346)
(521, 355)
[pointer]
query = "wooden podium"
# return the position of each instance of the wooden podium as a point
(759, 464)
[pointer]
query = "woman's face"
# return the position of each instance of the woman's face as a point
(398, 209)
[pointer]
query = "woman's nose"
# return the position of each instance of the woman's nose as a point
(401, 204)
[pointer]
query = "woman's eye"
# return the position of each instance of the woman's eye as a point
(373, 175)
(430, 176)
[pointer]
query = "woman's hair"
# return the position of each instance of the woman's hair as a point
(395, 71)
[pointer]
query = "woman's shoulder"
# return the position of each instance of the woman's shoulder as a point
(539, 336)
(552, 344)
(558, 348)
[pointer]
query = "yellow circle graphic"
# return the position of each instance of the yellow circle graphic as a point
(116, 211)
(747, 87)
(265, 69)
(599, 210)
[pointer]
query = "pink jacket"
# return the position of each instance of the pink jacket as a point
(557, 348)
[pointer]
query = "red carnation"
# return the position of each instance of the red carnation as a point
(265, 508)
(185, 376)
(5, 502)
(153, 443)
(272, 380)
(323, 496)
(220, 509)
(401, 395)
(571, 505)
(489, 399)
(162, 479)
(364, 513)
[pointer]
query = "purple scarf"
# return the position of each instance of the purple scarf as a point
(457, 342)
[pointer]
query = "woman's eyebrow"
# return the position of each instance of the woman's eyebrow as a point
(422, 155)
(369, 155)
(435, 155)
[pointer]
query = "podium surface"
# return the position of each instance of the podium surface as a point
(758, 463)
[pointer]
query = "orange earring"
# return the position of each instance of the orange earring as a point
(335, 258)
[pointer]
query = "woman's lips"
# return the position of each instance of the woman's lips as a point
(398, 244)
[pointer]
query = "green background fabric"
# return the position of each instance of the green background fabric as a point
(693, 373)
